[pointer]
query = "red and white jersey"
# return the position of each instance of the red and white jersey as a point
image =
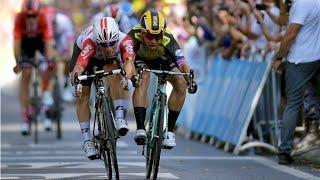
(32, 27)
(91, 49)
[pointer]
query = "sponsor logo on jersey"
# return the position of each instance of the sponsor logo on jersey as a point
(179, 53)
(86, 50)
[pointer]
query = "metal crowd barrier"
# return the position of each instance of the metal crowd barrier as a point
(226, 102)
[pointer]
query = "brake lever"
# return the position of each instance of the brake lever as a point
(193, 87)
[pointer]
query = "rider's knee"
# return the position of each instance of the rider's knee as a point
(180, 86)
(26, 72)
(84, 99)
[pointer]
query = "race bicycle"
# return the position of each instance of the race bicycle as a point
(105, 134)
(157, 124)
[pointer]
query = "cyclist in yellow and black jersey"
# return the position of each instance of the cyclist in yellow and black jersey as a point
(167, 47)
(156, 47)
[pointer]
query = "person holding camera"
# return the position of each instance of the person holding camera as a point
(301, 45)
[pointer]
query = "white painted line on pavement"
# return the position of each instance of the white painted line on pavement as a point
(66, 126)
(59, 152)
(14, 127)
(96, 175)
(261, 160)
(89, 164)
(132, 157)
(65, 145)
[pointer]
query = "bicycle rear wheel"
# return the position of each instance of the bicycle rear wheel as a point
(112, 137)
(57, 108)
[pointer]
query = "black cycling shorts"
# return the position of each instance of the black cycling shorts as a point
(28, 48)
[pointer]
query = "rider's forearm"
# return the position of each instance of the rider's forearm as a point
(185, 68)
(17, 49)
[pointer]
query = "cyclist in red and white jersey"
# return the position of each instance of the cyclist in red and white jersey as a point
(104, 46)
(32, 32)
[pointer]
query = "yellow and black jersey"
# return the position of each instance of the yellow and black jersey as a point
(168, 47)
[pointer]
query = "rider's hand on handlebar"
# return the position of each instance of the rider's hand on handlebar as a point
(129, 69)
(17, 69)
(77, 71)
(193, 87)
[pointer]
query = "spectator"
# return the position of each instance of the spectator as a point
(302, 44)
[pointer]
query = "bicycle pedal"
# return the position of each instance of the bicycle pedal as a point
(140, 141)
(25, 133)
(93, 157)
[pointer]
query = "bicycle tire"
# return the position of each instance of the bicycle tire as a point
(57, 108)
(156, 158)
(34, 117)
(105, 154)
(35, 129)
(111, 134)
(102, 136)
(150, 152)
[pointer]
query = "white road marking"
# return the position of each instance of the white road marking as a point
(59, 152)
(66, 126)
(261, 160)
(86, 165)
(96, 175)
(64, 145)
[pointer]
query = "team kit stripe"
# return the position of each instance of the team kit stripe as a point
(114, 11)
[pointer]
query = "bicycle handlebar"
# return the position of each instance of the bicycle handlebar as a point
(192, 85)
(100, 73)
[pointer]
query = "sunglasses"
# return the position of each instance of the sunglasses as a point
(150, 36)
(108, 44)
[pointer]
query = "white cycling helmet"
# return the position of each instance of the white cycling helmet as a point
(106, 31)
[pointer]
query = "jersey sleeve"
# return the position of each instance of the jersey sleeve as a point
(17, 29)
(126, 49)
(136, 38)
(89, 49)
(47, 26)
(175, 50)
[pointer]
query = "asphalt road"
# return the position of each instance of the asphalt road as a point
(64, 159)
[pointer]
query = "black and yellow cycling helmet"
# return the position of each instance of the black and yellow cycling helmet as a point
(153, 22)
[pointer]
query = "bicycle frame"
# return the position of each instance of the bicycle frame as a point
(161, 89)
(159, 120)
(100, 93)
(104, 117)
(35, 102)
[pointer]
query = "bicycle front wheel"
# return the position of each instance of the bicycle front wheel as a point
(154, 151)
(34, 119)
(160, 135)
(112, 137)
